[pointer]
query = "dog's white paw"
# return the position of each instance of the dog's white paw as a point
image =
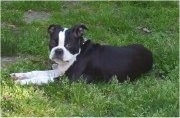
(22, 82)
(35, 80)
(19, 76)
(25, 81)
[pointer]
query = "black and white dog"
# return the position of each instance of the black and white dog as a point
(77, 57)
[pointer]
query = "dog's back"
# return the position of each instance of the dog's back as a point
(100, 62)
(141, 60)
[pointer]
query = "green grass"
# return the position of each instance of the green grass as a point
(153, 94)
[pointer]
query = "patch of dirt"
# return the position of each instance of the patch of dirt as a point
(68, 4)
(5, 61)
(11, 27)
(9, 60)
(7, 25)
(31, 16)
(3, 25)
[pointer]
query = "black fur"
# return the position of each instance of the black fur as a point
(101, 62)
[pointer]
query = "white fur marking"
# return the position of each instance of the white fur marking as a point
(62, 38)
(37, 77)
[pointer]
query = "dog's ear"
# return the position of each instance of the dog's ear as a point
(78, 30)
(52, 28)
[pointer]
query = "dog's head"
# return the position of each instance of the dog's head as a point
(65, 43)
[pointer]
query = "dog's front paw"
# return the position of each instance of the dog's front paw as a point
(24, 81)
(18, 76)
(39, 80)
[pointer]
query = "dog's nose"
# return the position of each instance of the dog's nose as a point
(59, 51)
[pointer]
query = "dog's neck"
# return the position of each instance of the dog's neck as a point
(63, 67)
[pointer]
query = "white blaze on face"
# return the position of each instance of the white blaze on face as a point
(62, 38)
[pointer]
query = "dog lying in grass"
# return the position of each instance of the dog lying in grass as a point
(77, 57)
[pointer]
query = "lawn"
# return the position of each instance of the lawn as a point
(153, 24)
